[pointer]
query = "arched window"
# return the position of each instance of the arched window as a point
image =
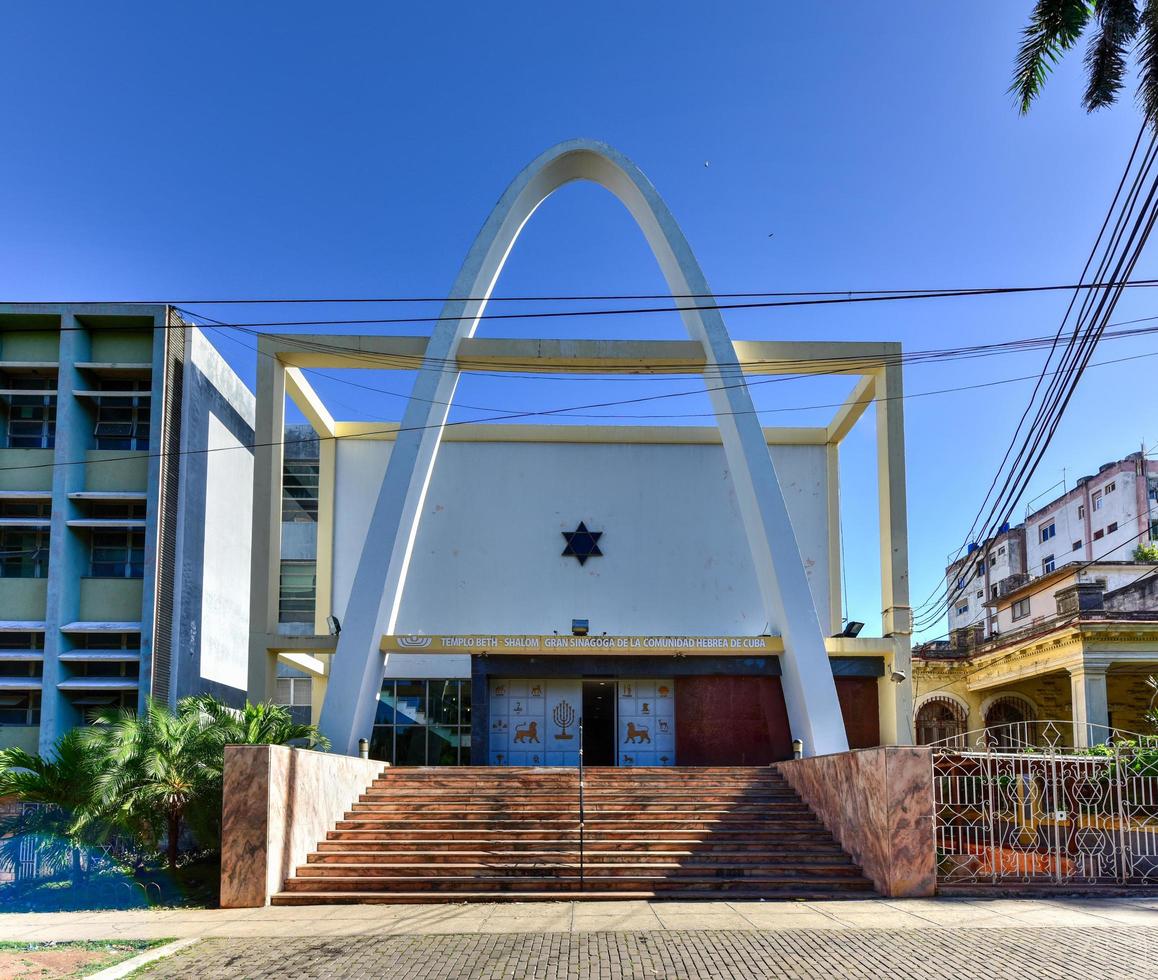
(1010, 722)
(941, 721)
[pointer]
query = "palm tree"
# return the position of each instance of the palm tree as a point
(162, 770)
(257, 724)
(254, 724)
(156, 767)
(1119, 28)
(62, 822)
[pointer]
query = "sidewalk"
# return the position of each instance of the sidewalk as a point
(583, 917)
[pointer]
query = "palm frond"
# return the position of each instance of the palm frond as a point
(1054, 27)
(1106, 57)
(1147, 54)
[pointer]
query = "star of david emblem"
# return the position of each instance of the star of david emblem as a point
(582, 544)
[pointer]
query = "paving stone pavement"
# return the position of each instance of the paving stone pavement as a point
(1105, 952)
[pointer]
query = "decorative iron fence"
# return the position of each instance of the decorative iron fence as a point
(1040, 814)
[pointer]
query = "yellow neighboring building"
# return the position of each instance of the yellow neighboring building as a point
(1074, 647)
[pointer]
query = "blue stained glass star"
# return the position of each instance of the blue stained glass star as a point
(582, 544)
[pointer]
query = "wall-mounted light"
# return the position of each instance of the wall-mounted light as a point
(851, 630)
(333, 625)
(898, 676)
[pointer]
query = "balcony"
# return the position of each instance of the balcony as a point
(110, 600)
(25, 599)
(26, 469)
(115, 470)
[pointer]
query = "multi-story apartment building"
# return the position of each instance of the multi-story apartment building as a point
(1068, 657)
(979, 577)
(1051, 622)
(126, 459)
(1103, 518)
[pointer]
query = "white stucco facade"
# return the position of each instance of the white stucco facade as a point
(488, 552)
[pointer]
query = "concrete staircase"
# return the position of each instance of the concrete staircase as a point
(507, 834)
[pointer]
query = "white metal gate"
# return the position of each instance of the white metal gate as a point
(1044, 815)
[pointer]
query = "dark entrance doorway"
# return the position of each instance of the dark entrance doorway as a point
(599, 723)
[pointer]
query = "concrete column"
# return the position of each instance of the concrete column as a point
(265, 561)
(68, 554)
(897, 616)
(1091, 708)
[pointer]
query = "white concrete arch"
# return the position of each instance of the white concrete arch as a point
(356, 671)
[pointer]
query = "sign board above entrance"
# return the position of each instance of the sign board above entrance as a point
(532, 643)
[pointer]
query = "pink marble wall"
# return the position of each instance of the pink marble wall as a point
(878, 803)
(278, 803)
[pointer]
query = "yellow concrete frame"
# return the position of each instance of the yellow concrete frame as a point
(282, 358)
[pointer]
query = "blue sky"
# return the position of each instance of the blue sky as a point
(150, 151)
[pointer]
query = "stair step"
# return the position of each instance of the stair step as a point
(486, 834)
(816, 832)
(654, 882)
(669, 870)
(406, 850)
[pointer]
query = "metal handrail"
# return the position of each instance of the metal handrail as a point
(582, 808)
(1051, 733)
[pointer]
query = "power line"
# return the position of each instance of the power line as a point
(1131, 228)
(395, 429)
(698, 307)
(588, 297)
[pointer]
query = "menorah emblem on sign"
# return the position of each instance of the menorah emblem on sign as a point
(564, 716)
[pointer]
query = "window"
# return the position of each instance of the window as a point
(961, 582)
(1111, 487)
(941, 721)
(24, 552)
(1099, 534)
(963, 610)
(123, 422)
(41, 509)
(1010, 722)
(299, 491)
(1047, 565)
(1152, 485)
(1112, 527)
(1097, 500)
(21, 668)
(130, 642)
(298, 591)
(22, 641)
(980, 593)
(118, 553)
(294, 691)
(1001, 550)
(993, 592)
(32, 417)
(1077, 545)
(106, 668)
(1048, 531)
(133, 510)
(423, 723)
(1154, 530)
(1081, 511)
(92, 705)
(1020, 609)
(20, 708)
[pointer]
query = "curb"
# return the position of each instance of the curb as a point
(125, 967)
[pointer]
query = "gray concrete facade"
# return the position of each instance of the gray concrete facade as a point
(120, 482)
